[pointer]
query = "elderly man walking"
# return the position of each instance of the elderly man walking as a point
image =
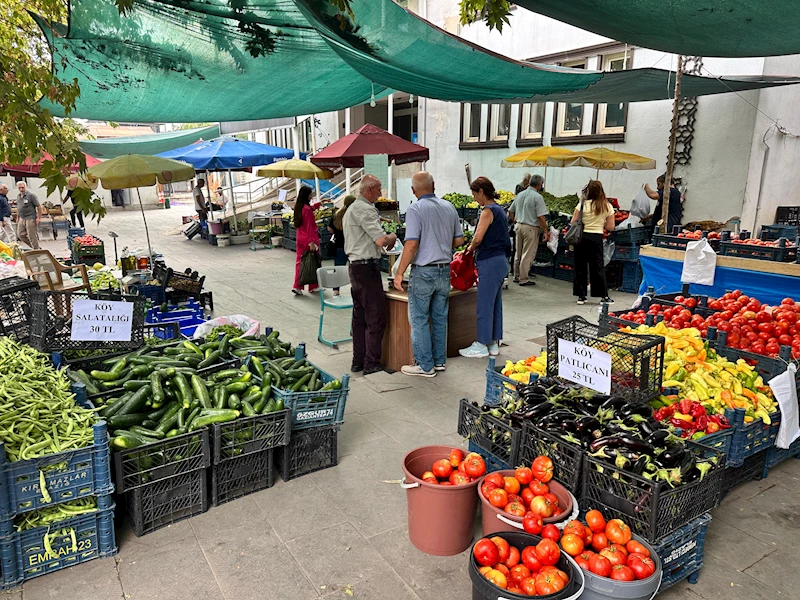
(6, 231)
(433, 229)
(363, 239)
(528, 212)
(29, 214)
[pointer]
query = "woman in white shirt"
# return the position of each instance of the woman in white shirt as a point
(598, 215)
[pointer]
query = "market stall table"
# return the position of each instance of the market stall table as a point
(462, 326)
(766, 280)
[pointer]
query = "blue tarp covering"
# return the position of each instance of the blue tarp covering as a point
(224, 153)
(325, 186)
(665, 276)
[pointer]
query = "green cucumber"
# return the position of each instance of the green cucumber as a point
(146, 432)
(200, 391)
(247, 409)
(208, 417)
(134, 384)
(136, 402)
(126, 421)
(207, 362)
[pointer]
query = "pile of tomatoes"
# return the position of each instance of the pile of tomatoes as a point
(696, 235)
(750, 325)
(606, 548)
(530, 572)
(457, 469)
(87, 240)
(524, 494)
(754, 242)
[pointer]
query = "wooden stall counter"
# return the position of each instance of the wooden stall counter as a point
(462, 326)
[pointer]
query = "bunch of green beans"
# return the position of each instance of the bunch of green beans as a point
(44, 517)
(38, 414)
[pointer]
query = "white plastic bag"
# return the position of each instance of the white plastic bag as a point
(699, 264)
(552, 243)
(632, 220)
(784, 386)
(608, 251)
(640, 207)
(246, 324)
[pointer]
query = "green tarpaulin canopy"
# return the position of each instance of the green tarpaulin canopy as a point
(185, 60)
(732, 28)
(149, 144)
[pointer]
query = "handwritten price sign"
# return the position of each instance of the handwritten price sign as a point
(101, 321)
(584, 365)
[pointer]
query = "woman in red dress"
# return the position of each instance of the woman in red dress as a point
(307, 234)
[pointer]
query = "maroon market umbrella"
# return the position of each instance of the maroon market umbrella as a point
(349, 151)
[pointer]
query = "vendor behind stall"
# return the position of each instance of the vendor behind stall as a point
(675, 207)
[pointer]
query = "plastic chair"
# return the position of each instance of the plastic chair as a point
(332, 277)
(43, 268)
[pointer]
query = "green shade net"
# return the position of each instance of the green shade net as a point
(147, 144)
(185, 60)
(392, 47)
(731, 28)
(175, 64)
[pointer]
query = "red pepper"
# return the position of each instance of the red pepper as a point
(698, 410)
(686, 406)
(702, 422)
(712, 428)
(680, 423)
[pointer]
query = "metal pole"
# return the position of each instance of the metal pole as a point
(296, 148)
(146, 230)
(233, 201)
(391, 130)
(672, 142)
(314, 147)
(347, 132)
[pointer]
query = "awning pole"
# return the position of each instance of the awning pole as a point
(390, 121)
(673, 133)
(347, 132)
(146, 230)
(314, 148)
(233, 201)
(296, 148)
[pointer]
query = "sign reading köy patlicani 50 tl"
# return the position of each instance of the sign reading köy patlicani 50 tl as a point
(101, 321)
(584, 365)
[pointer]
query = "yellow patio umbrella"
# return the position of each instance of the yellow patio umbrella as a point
(294, 168)
(603, 159)
(535, 157)
(136, 170)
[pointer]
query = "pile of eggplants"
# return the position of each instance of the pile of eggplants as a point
(608, 428)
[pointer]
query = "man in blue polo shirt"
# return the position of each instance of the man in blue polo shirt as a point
(432, 231)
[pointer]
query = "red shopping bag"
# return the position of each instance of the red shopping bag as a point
(463, 273)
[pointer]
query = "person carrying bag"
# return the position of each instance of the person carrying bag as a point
(311, 261)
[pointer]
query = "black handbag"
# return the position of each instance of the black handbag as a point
(575, 232)
(309, 263)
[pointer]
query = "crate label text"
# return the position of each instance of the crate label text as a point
(101, 321)
(315, 414)
(55, 483)
(584, 365)
(61, 552)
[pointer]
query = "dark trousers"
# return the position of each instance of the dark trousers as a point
(75, 216)
(369, 314)
(589, 262)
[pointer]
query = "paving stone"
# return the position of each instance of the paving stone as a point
(177, 533)
(357, 430)
(402, 426)
(95, 579)
(242, 512)
(726, 543)
(778, 571)
(720, 581)
(388, 585)
(772, 517)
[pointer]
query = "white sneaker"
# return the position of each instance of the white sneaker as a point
(494, 349)
(476, 350)
(441, 367)
(417, 371)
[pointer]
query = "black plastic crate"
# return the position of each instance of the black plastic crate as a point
(772, 253)
(631, 277)
(787, 215)
(163, 331)
(544, 270)
(665, 240)
(289, 244)
(15, 307)
(631, 235)
(771, 233)
(167, 501)
(626, 253)
(567, 458)
(681, 553)
(309, 450)
(251, 434)
(51, 322)
(544, 256)
(564, 272)
(237, 477)
(493, 463)
(637, 361)
(776, 456)
(148, 464)
(489, 433)
(752, 468)
(652, 509)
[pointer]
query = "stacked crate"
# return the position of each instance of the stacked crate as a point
(627, 243)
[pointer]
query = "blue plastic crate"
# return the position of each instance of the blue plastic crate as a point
(314, 409)
(719, 441)
(750, 438)
(753, 468)
(631, 235)
(631, 277)
(770, 233)
(73, 232)
(497, 383)
(68, 475)
(776, 456)
(64, 544)
(492, 462)
(154, 292)
(192, 308)
(681, 552)
(563, 273)
(626, 253)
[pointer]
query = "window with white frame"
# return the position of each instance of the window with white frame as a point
(532, 127)
(471, 127)
(499, 122)
(569, 118)
(611, 117)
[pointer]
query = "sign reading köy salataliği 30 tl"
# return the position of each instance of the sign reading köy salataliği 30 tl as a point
(101, 321)
(584, 365)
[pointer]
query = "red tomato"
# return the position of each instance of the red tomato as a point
(486, 552)
(765, 327)
(548, 583)
(763, 317)
(600, 565)
(520, 573)
(515, 508)
(442, 468)
(530, 560)
(496, 479)
(787, 302)
(754, 305)
(527, 495)
(547, 552)
(503, 569)
(572, 544)
(556, 571)
(634, 547)
(498, 498)
(429, 477)
(532, 524)
(511, 485)
(524, 475)
(487, 488)
(551, 532)
(679, 299)
(541, 507)
(641, 565)
(622, 549)
(475, 465)
(622, 573)
(552, 499)
(457, 478)
(542, 468)
(538, 488)
(575, 527)
(613, 554)
(528, 586)
(690, 302)
(497, 578)
(503, 547)
(596, 521)
(456, 456)
(618, 532)
(583, 559)
(513, 557)
(514, 498)
(599, 541)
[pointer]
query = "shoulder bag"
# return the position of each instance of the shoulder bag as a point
(575, 232)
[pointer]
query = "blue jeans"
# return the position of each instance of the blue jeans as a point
(491, 273)
(428, 300)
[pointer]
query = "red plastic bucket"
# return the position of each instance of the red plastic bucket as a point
(494, 520)
(440, 518)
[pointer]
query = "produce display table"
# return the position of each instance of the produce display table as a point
(462, 326)
(768, 281)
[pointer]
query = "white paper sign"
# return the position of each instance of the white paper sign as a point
(377, 165)
(282, 195)
(101, 321)
(584, 365)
